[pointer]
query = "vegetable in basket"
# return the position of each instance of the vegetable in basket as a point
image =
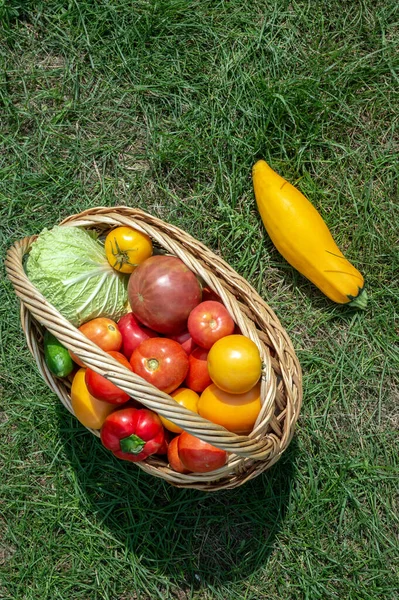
(162, 293)
(69, 267)
(234, 364)
(199, 456)
(235, 412)
(90, 411)
(126, 248)
(303, 238)
(185, 397)
(104, 333)
(101, 388)
(56, 356)
(133, 434)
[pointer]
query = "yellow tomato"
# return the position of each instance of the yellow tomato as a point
(186, 398)
(234, 364)
(235, 412)
(126, 248)
(88, 410)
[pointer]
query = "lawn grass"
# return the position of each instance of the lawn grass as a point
(166, 105)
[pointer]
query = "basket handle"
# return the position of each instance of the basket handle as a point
(256, 448)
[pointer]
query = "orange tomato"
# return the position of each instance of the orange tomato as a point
(173, 457)
(199, 456)
(88, 410)
(186, 398)
(235, 412)
(234, 364)
(126, 248)
(103, 332)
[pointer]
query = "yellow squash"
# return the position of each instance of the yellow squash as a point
(303, 238)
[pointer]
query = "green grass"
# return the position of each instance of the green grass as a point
(166, 105)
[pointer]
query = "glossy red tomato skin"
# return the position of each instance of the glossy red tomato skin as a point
(173, 457)
(208, 322)
(102, 389)
(162, 362)
(185, 340)
(162, 292)
(199, 456)
(198, 378)
(133, 333)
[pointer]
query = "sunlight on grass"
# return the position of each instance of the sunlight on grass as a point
(166, 106)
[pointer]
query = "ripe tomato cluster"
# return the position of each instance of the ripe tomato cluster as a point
(180, 338)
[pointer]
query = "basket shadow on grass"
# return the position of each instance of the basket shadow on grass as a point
(186, 534)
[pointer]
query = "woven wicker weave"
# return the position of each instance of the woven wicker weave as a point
(281, 386)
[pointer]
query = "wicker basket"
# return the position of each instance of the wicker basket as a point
(281, 385)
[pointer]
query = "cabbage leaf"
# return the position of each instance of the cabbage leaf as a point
(69, 267)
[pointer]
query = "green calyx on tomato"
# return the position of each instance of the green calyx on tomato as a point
(126, 248)
(162, 362)
(152, 364)
(121, 256)
(132, 444)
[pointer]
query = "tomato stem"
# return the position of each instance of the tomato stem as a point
(122, 256)
(152, 364)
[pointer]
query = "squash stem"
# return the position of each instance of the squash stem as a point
(360, 301)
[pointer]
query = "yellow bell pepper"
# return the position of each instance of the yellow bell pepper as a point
(88, 410)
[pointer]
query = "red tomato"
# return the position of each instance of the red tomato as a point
(199, 456)
(162, 292)
(173, 457)
(103, 332)
(102, 389)
(185, 340)
(162, 362)
(133, 333)
(198, 377)
(208, 322)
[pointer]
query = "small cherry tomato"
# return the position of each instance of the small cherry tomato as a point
(104, 390)
(186, 398)
(234, 364)
(103, 332)
(198, 377)
(208, 322)
(235, 412)
(173, 457)
(199, 456)
(162, 362)
(126, 248)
